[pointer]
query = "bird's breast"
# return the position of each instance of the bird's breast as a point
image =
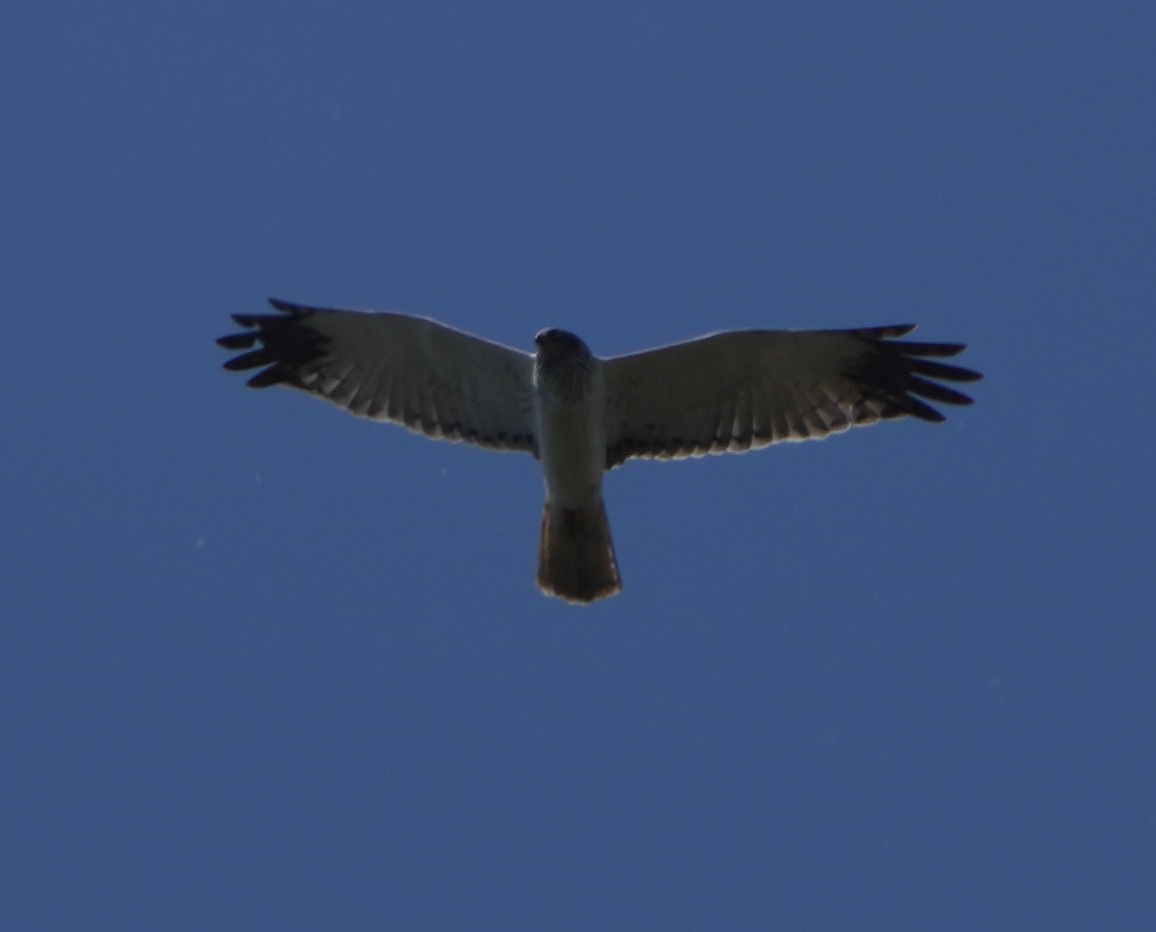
(572, 444)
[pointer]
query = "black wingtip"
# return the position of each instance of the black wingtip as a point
(277, 345)
(892, 370)
(884, 333)
(238, 341)
(938, 370)
(919, 409)
(288, 307)
(251, 360)
(935, 391)
(274, 375)
(942, 350)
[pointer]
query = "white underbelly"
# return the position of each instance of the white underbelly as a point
(572, 447)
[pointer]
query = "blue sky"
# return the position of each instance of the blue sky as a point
(266, 666)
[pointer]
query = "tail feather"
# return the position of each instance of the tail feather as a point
(576, 557)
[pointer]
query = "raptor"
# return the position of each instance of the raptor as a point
(581, 415)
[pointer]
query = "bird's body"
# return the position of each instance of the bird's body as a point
(581, 415)
(570, 417)
(576, 555)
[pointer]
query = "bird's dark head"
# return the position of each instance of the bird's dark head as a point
(563, 365)
(559, 344)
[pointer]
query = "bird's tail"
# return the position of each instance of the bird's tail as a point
(576, 557)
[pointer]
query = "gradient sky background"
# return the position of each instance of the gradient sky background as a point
(264, 666)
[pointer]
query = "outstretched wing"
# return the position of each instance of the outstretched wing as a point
(391, 367)
(744, 390)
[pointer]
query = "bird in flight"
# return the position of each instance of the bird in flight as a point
(581, 415)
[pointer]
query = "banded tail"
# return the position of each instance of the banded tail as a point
(576, 557)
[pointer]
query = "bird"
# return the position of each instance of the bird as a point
(582, 415)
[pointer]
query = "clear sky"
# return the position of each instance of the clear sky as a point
(264, 666)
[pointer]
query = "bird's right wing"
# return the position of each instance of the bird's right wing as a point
(392, 367)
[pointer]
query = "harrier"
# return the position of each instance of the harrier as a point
(582, 415)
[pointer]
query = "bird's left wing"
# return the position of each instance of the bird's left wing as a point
(739, 391)
(392, 367)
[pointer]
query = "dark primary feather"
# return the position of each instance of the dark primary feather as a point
(238, 340)
(890, 372)
(287, 345)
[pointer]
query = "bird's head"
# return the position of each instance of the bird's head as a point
(563, 365)
(559, 344)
